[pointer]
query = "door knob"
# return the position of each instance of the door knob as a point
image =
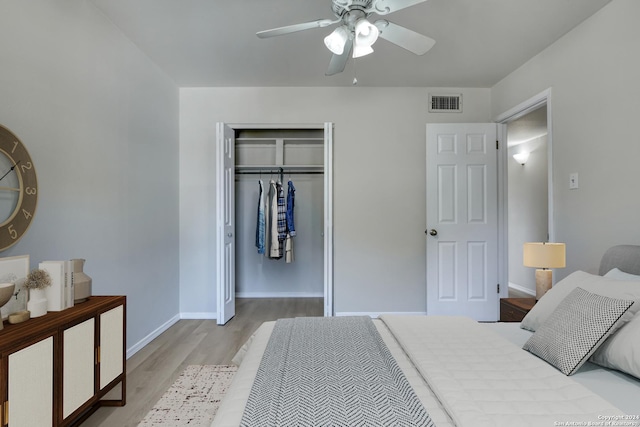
(433, 232)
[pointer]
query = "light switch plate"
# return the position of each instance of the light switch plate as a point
(573, 181)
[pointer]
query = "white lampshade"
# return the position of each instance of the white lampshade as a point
(521, 157)
(544, 255)
(359, 51)
(336, 41)
(366, 33)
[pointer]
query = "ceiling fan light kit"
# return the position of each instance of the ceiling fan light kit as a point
(366, 35)
(362, 50)
(336, 41)
(355, 36)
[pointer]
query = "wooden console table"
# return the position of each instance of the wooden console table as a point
(56, 369)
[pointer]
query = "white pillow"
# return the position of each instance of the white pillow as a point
(616, 273)
(622, 350)
(576, 328)
(608, 287)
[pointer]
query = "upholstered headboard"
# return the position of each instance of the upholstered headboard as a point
(624, 257)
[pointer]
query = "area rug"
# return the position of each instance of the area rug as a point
(193, 399)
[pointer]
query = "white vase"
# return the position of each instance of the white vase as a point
(37, 304)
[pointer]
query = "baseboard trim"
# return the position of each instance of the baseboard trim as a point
(522, 289)
(375, 315)
(199, 316)
(279, 294)
(146, 340)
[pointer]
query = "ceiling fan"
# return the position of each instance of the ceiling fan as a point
(355, 35)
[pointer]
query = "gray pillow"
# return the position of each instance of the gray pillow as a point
(576, 328)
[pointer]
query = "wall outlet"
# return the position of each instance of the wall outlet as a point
(573, 181)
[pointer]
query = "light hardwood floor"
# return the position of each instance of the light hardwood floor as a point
(152, 370)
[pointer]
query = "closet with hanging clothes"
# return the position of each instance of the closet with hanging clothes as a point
(280, 195)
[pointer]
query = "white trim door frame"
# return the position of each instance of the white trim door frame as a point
(225, 288)
(533, 103)
(328, 219)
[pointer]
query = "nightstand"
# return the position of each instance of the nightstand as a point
(514, 309)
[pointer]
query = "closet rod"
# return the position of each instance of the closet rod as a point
(268, 171)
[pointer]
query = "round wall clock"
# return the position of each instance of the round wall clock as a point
(18, 189)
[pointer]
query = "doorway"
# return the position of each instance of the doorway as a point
(529, 185)
(269, 144)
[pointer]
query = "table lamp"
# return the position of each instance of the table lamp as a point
(544, 256)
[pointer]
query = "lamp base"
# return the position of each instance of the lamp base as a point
(543, 282)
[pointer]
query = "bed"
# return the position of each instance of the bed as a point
(466, 373)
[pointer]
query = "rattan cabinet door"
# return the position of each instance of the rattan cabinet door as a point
(78, 385)
(30, 378)
(111, 345)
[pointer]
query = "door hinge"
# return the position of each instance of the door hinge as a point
(498, 287)
(497, 145)
(98, 355)
(5, 415)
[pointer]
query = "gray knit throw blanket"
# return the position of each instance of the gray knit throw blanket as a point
(333, 371)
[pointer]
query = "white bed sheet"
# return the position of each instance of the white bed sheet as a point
(620, 389)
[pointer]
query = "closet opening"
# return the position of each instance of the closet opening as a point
(294, 258)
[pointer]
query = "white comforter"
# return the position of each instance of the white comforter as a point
(464, 374)
(482, 379)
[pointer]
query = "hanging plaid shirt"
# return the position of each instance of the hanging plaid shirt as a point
(282, 214)
(274, 247)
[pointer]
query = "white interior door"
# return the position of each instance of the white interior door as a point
(462, 220)
(225, 223)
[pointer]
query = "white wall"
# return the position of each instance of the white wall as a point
(379, 184)
(101, 124)
(593, 72)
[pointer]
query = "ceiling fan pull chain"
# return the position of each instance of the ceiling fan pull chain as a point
(355, 79)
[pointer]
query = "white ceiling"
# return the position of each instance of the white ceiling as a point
(213, 42)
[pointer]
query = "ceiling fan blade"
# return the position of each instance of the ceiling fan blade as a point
(295, 27)
(383, 7)
(404, 37)
(338, 62)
